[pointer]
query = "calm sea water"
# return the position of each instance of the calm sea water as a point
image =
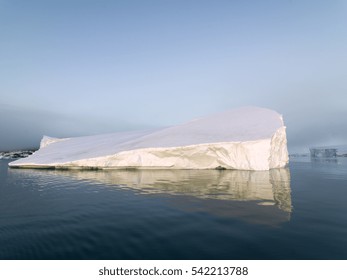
(294, 213)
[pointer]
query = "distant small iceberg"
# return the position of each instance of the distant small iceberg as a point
(248, 138)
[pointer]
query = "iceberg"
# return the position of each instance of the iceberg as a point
(248, 138)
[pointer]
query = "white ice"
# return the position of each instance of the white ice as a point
(248, 138)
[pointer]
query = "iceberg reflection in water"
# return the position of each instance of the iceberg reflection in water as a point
(255, 196)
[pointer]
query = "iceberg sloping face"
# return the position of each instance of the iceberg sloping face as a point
(248, 138)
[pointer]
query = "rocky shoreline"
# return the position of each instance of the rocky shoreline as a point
(16, 154)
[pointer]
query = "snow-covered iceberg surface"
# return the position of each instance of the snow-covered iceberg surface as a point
(248, 138)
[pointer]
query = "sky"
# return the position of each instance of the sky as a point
(80, 67)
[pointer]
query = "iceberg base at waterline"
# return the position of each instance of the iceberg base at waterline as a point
(248, 138)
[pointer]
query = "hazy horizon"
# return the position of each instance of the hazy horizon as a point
(72, 68)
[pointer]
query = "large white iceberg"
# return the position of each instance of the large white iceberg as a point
(248, 138)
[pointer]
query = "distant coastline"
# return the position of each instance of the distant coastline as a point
(16, 154)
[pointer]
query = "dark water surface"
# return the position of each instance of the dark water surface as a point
(294, 213)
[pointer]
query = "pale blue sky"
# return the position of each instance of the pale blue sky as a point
(84, 67)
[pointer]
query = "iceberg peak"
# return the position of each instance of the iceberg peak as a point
(46, 140)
